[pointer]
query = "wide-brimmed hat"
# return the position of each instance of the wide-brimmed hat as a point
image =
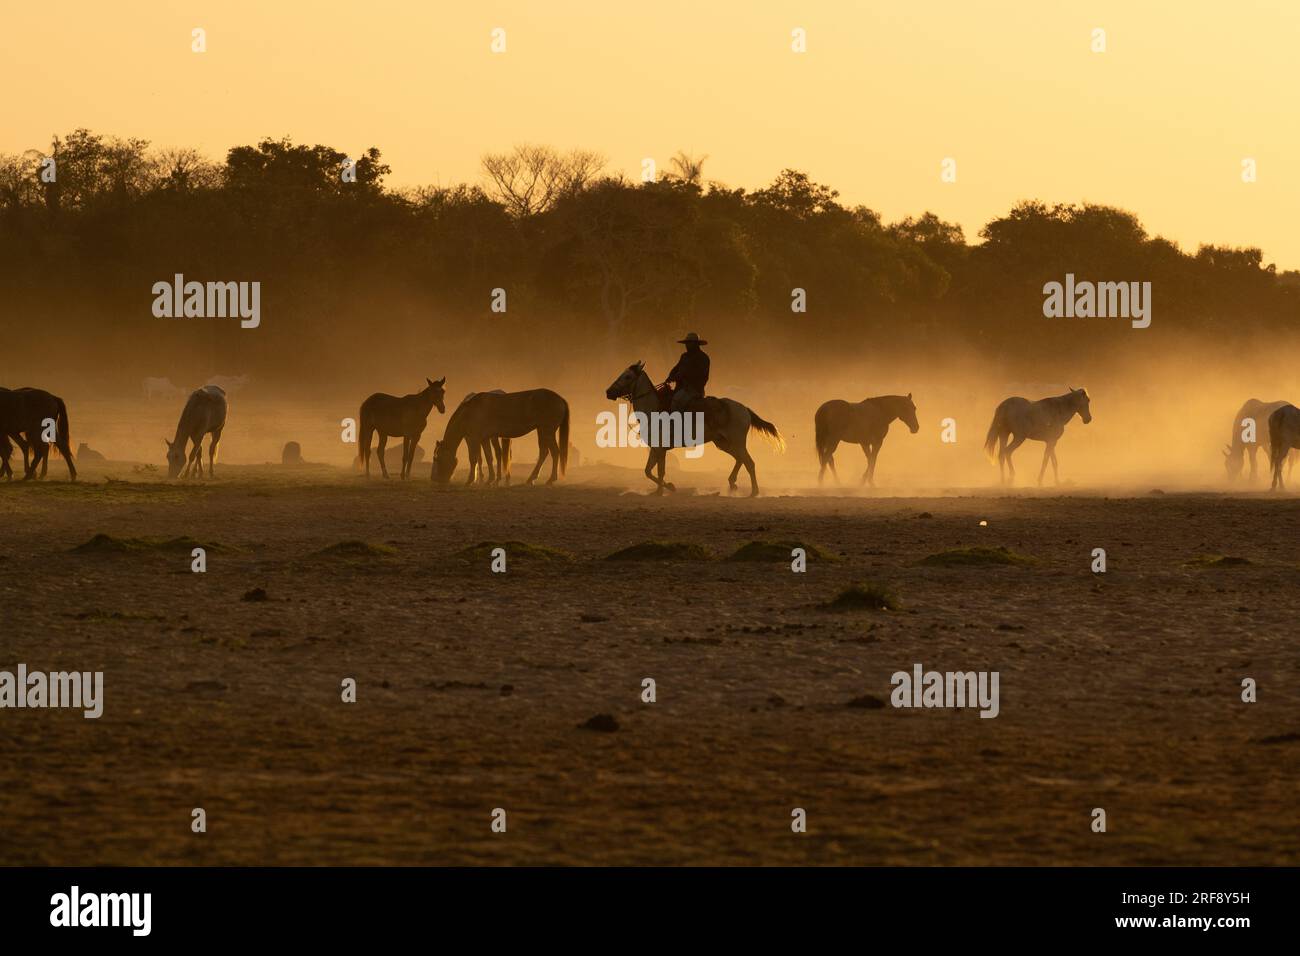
(692, 339)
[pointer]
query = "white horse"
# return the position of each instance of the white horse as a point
(230, 383)
(1044, 420)
(204, 413)
(726, 424)
(154, 387)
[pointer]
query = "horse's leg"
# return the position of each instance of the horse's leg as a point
(1015, 443)
(383, 443)
(212, 451)
(1252, 448)
(541, 457)
(1047, 456)
(1002, 458)
(553, 446)
(650, 469)
(475, 450)
(731, 478)
(866, 475)
(749, 467)
(366, 435)
(29, 471)
(1056, 474)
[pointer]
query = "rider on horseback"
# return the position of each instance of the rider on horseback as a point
(690, 374)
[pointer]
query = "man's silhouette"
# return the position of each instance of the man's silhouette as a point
(690, 374)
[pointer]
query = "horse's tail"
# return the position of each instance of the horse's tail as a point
(564, 440)
(995, 432)
(820, 437)
(765, 428)
(65, 432)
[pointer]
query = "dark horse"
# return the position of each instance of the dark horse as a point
(488, 415)
(24, 414)
(865, 424)
(1044, 420)
(1283, 435)
(405, 416)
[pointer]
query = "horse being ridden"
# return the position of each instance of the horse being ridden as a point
(1283, 435)
(392, 416)
(1234, 453)
(865, 423)
(505, 415)
(24, 414)
(727, 423)
(204, 414)
(1044, 420)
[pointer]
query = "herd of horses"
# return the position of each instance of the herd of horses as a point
(487, 422)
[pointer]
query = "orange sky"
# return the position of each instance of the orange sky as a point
(1158, 124)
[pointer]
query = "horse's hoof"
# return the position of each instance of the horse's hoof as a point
(754, 493)
(670, 486)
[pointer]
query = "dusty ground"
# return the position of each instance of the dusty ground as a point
(1119, 691)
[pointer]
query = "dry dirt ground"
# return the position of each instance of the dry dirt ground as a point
(1120, 690)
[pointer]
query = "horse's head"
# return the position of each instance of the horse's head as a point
(907, 414)
(175, 457)
(435, 392)
(1080, 403)
(625, 383)
(1234, 459)
(444, 462)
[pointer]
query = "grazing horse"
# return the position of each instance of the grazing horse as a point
(405, 417)
(505, 415)
(25, 412)
(495, 451)
(1283, 436)
(1234, 453)
(864, 423)
(1044, 420)
(727, 424)
(204, 414)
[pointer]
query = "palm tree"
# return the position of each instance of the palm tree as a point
(689, 169)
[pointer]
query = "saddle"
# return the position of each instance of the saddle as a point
(715, 411)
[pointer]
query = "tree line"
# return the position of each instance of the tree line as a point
(583, 256)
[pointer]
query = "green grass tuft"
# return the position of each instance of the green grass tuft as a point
(356, 549)
(976, 558)
(778, 551)
(661, 551)
(865, 597)
(515, 551)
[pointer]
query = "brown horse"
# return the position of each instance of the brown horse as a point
(25, 414)
(495, 451)
(406, 416)
(505, 415)
(864, 423)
